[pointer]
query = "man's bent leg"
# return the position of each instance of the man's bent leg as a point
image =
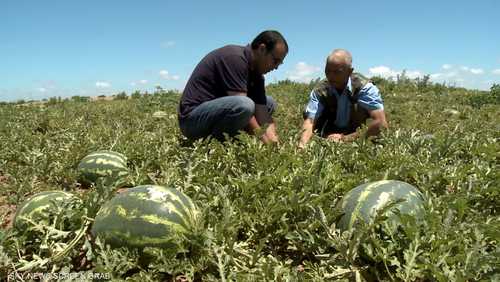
(271, 105)
(222, 115)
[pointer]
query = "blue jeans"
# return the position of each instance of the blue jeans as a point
(228, 114)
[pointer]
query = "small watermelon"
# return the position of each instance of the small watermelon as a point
(102, 164)
(159, 114)
(365, 200)
(145, 216)
(37, 207)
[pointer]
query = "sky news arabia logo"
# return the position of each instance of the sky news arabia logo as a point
(57, 276)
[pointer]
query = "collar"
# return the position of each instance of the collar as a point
(348, 88)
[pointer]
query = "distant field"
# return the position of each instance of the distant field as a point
(268, 212)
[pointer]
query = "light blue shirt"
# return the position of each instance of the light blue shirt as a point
(369, 99)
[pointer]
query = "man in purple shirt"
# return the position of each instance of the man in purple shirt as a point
(226, 92)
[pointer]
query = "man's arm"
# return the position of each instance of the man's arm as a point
(377, 123)
(307, 132)
(313, 109)
(260, 117)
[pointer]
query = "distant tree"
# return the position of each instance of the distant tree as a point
(158, 90)
(121, 96)
(77, 99)
(54, 100)
(136, 95)
(423, 83)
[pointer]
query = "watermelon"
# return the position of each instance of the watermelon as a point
(102, 164)
(364, 201)
(145, 216)
(159, 114)
(37, 207)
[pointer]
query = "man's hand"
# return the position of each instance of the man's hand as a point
(270, 135)
(336, 137)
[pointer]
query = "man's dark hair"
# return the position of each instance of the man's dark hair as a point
(269, 38)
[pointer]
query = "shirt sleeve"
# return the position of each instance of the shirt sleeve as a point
(233, 73)
(314, 107)
(369, 98)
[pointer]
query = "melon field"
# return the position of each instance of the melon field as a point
(264, 213)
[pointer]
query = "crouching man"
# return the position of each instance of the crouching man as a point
(226, 93)
(341, 103)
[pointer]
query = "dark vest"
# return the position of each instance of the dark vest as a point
(325, 124)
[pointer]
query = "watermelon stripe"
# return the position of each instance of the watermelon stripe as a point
(148, 208)
(164, 195)
(361, 200)
(108, 154)
(118, 158)
(120, 239)
(137, 227)
(102, 163)
(103, 172)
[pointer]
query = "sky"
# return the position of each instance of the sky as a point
(89, 48)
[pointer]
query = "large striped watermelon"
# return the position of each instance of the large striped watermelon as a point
(146, 215)
(102, 164)
(37, 207)
(364, 201)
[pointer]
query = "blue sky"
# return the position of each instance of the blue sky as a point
(66, 48)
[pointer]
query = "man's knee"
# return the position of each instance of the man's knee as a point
(244, 106)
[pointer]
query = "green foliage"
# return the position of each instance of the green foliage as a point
(268, 212)
(491, 98)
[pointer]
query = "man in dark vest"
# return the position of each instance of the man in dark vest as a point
(226, 93)
(341, 103)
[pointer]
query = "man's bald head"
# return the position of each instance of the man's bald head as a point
(338, 68)
(339, 57)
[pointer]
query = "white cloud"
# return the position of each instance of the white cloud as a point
(303, 72)
(383, 71)
(168, 44)
(440, 75)
(142, 81)
(446, 66)
(471, 70)
(413, 74)
(476, 71)
(165, 75)
(42, 89)
(387, 72)
(102, 84)
(496, 71)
